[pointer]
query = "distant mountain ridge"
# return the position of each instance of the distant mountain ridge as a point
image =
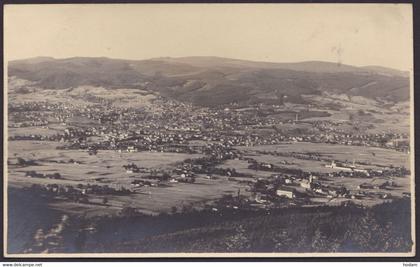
(309, 66)
(214, 80)
(212, 61)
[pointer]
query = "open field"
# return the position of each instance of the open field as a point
(367, 155)
(154, 200)
(34, 130)
(107, 165)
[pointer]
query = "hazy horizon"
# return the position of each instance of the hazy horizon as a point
(195, 56)
(350, 34)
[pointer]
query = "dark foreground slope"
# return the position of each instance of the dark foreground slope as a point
(382, 228)
(26, 214)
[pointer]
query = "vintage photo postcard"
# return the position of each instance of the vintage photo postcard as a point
(208, 130)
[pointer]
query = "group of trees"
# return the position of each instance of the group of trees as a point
(34, 174)
(351, 228)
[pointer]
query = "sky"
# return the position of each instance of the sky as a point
(355, 34)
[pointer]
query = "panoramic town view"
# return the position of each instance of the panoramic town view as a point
(166, 146)
(205, 154)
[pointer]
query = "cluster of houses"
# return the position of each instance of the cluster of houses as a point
(171, 129)
(304, 185)
(79, 193)
(342, 169)
(102, 189)
(144, 183)
(133, 168)
(388, 185)
(291, 187)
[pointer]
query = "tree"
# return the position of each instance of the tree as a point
(319, 242)
(165, 176)
(21, 161)
(239, 241)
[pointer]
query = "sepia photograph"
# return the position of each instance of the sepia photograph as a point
(208, 130)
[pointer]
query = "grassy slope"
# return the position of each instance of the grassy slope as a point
(213, 84)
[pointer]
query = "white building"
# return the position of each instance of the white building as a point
(285, 192)
(333, 165)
